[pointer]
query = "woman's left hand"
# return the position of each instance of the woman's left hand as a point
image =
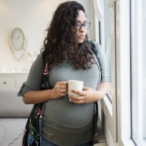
(88, 95)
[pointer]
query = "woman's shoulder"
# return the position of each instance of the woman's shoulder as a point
(95, 46)
(39, 57)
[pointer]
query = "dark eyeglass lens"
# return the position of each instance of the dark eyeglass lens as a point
(85, 25)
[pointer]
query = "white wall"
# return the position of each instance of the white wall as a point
(33, 17)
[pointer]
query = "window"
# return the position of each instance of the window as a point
(138, 68)
(109, 40)
(107, 26)
(123, 30)
(144, 69)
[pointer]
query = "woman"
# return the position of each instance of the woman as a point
(67, 120)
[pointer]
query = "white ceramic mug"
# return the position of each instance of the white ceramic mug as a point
(76, 85)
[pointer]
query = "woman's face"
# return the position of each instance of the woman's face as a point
(81, 31)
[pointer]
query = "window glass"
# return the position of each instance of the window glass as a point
(144, 67)
(138, 72)
(109, 39)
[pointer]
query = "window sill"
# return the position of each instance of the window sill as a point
(106, 105)
(127, 142)
(140, 142)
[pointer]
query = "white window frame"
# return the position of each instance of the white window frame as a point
(137, 72)
(120, 123)
(123, 75)
(118, 114)
(108, 108)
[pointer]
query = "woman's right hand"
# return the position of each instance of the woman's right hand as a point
(59, 90)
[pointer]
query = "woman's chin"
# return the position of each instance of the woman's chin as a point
(80, 41)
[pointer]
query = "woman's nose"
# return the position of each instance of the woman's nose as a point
(82, 28)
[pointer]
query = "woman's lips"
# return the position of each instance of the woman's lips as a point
(81, 36)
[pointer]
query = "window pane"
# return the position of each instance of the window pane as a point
(144, 67)
(138, 72)
(108, 32)
(109, 38)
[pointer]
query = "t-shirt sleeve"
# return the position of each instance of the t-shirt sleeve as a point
(105, 73)
(34, 79)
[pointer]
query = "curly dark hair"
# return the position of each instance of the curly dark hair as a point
(61, 40)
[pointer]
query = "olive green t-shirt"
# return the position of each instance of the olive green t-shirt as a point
(64, 123)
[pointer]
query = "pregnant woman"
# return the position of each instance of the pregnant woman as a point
(66, 120)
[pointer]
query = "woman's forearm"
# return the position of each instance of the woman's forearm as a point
(34, 97)
(103, 88)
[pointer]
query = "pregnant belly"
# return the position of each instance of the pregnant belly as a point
(68, 114)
